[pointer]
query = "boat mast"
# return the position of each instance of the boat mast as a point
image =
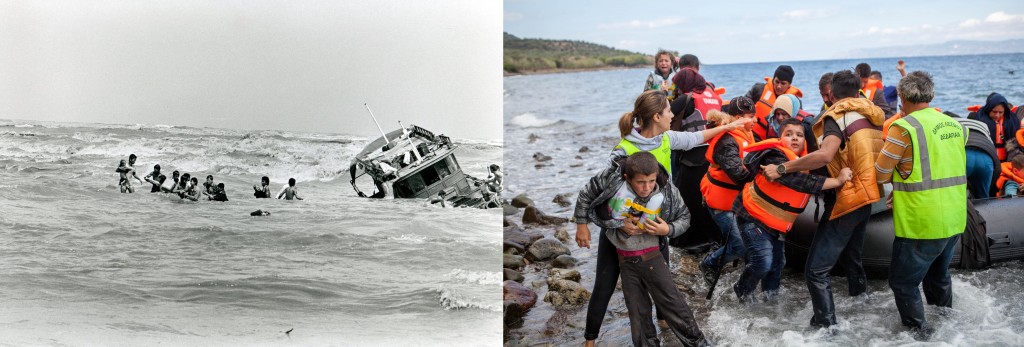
(382, 134)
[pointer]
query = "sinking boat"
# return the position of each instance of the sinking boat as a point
(414, 163)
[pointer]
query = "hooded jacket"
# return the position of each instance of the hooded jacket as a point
(595, 195)
(861, 123)
(1010, 121)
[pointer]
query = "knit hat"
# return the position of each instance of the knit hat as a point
(740, 105)
(784, 73)
(786, 102)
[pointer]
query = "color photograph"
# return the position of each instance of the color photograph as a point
(763, 174)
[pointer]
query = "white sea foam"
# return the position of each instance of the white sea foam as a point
(530, 120)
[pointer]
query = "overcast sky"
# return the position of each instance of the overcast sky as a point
(757, 31)
(284, 65)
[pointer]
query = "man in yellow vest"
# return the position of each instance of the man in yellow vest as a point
(929, 200)
(850, 135)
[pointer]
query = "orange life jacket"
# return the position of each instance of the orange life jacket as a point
(718, 189)
(976, 108)
(888, 122)
(770, 202)
(763, 106)
(1006, 174)
(872, 87)
(1000, 144)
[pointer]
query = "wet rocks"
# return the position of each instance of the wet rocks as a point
(518, 299)
(522, 201)
(564, 200)
(512, 275)
(514, 233)
(532, 138)
(541, 157)
(512, 247)
(565, 274)
(512, 261)
(534, 216)
(545, 249)
(508, 210)
(562, 235)
(564, 262)
(584, 149)
(562, 292)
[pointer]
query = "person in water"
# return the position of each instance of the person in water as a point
(218, 193)
(926, 149)
(127, 171)
(157, 183)
(661, 78)
(289, 192)
(635, 205)
(192, 191)
(262, 190)
(183, 186)
(720, 186)
(767, 209)
(851, 137)
(653, 113)
(208, 186)
(154, 176)
(494, 178)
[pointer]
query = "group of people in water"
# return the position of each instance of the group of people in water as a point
(186, 186)
(753, 163)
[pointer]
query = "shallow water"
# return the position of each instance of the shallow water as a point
(87, 265)
(565, 112)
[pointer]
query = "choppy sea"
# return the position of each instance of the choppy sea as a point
(559, 114)
(83, 265)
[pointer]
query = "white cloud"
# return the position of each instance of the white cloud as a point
(796, 14)
(650, 24)
(1003, 17)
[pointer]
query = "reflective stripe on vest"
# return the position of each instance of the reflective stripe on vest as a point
(931, 202)
(663, 153)
(770, 202)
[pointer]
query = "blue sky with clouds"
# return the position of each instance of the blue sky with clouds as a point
(730, 32)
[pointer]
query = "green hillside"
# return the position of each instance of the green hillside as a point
(529, 55)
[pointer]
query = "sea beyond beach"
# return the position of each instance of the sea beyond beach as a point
(572, 118)
(84, 265)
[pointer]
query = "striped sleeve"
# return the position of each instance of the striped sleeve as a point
(897, 154)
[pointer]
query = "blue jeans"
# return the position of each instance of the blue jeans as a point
(914, 261)
(1010, 188)
(765, 259)
(734, 248)
(839, 240)
(979, 172)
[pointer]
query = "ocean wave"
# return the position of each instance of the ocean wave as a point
(475, 277)
(451, 299)
(405, 238)
(530, 120)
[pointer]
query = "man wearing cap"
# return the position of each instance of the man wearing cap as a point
(765, 94)
(851, 136)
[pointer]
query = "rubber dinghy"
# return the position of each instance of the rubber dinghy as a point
(1001, 236)
(414, 163)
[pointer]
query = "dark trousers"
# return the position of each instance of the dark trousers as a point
(914, 261)
(765, 258)
(643, 281)
(734, 248)
(604, 284)
(839, 240)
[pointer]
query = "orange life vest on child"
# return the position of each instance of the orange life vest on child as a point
(718, 189)
(772, 203)
(1006, 174)
(872, 87)
(763, 106)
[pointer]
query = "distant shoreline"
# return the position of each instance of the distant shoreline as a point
(560, 71)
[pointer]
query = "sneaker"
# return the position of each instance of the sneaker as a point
(709, 272)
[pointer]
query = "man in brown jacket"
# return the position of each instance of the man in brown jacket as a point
(849, 134)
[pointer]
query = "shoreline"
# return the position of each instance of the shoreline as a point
(562, 71)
